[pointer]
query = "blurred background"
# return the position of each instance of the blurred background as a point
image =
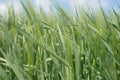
(66, 4)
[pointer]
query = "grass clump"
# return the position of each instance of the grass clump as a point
(59, 46)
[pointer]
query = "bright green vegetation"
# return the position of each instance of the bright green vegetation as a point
(60, 46)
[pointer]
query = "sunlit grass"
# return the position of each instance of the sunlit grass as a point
(59, 46)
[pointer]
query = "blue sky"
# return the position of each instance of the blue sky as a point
(67, 4)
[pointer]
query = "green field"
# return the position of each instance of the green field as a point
(60, 45)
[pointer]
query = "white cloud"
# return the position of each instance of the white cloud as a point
(17, 6)
(76, 3)
(45, 4)
(91, 3)
(80, 2)
(105, 3)
(3, 8)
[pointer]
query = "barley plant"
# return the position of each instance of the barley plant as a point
(60, 45)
